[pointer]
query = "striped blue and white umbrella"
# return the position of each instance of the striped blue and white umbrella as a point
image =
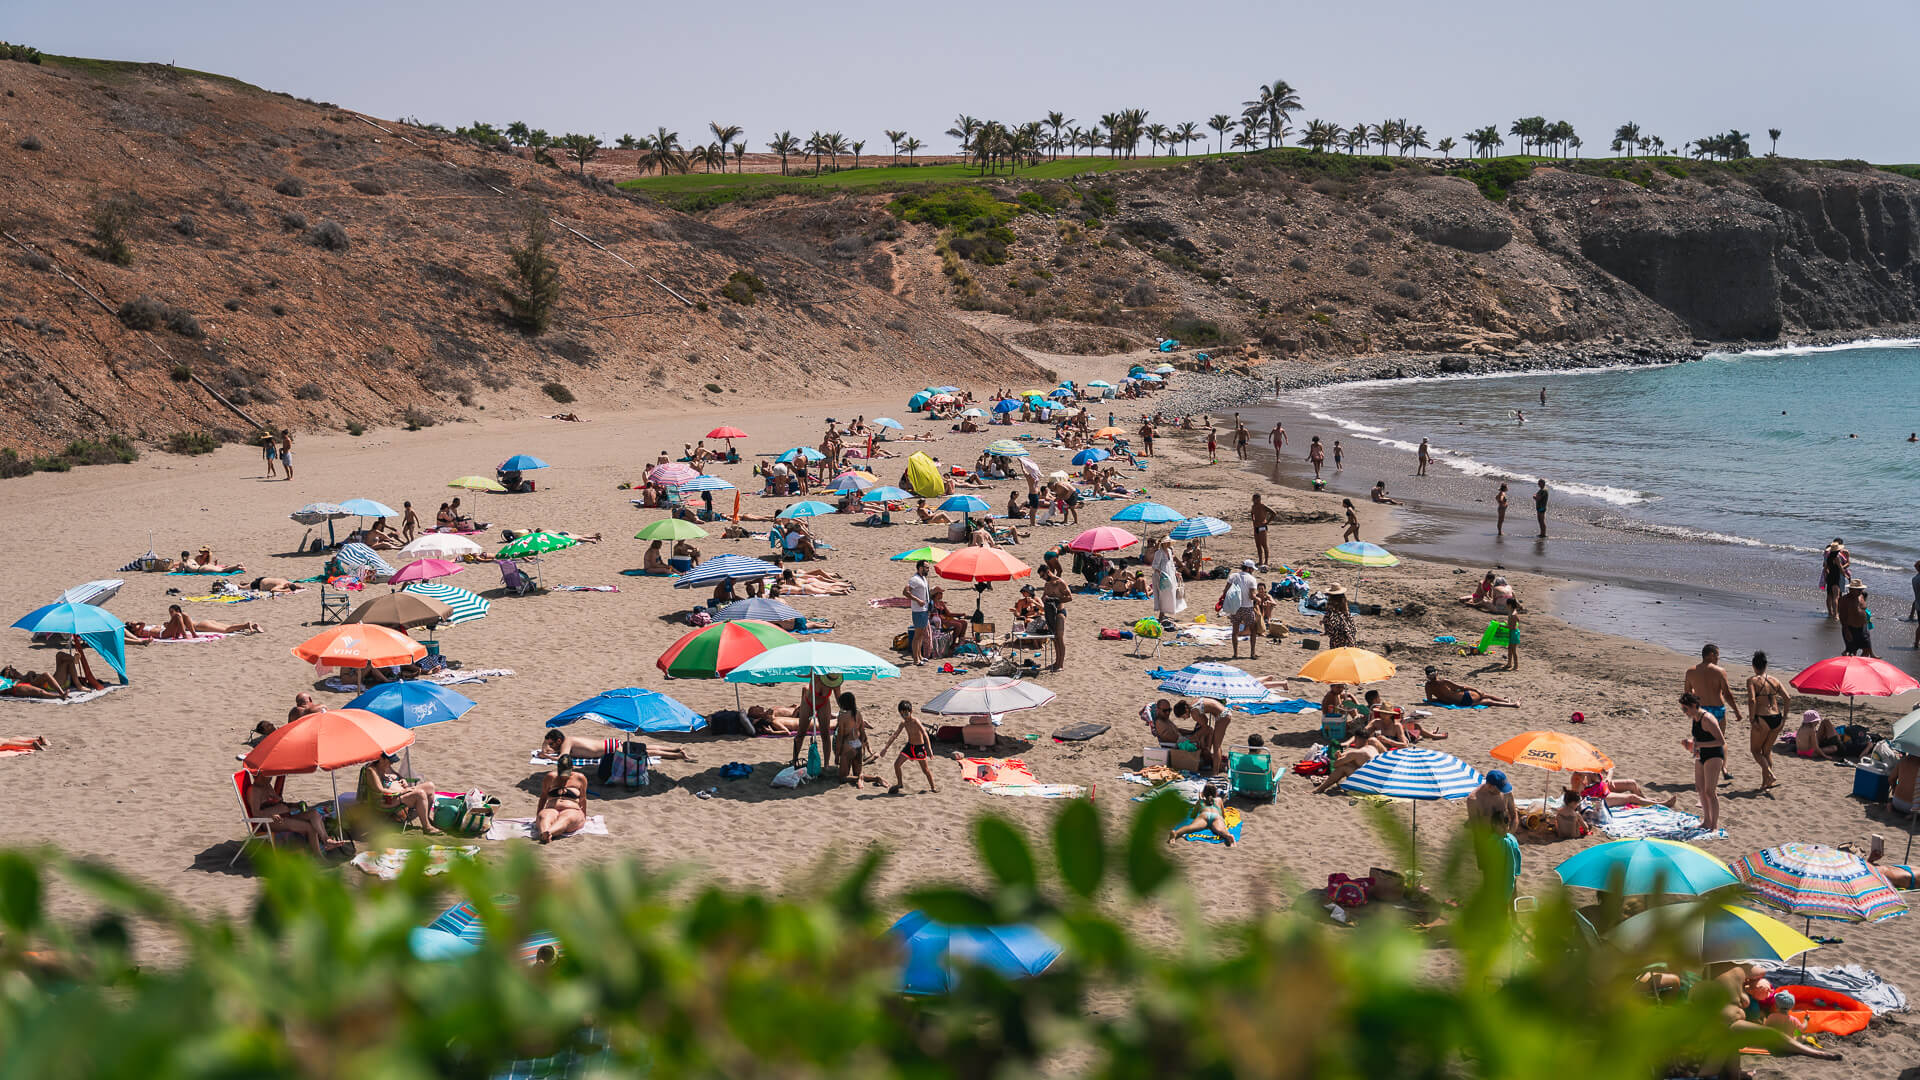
(1209, 680)
(1195, 528)
(1148, 513)
(1416, 773)
(358, 554)
(467, 606)
(704, 483)
(93, 592)
(726, 568)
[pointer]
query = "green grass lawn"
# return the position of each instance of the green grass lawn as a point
(888, 175)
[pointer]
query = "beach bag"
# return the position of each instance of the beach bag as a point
(447, 810)
(477, 817)
(1855, 741)
(814, 764)
(903, 641)
(699, 617)
(789, 777)
(1349, 892)
(1234, 599)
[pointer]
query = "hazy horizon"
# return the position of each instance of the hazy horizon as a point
(1679, 71)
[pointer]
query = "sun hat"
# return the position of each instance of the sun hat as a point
(1811, 716)
(1856, 585)
(1336, 590)
(1499, 779)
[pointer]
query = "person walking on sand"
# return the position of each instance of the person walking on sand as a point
(1352, 531)
(1834, 575)
(1426, 454)
(1707, 682)
(272, 450)
(1146, 437)
(1213, 444)
(1708, 745)
(286, 452)
(1766, 712)
(1540, 506)
(1236, 604)
(409, 523)
(1500, 511)
(917, 748)
(918, 596)
(1263, 517)
(1317, 454)
(1277, 438)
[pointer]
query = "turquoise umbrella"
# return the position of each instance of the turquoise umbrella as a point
(808, 508)
(98, 627)
(965, 504)
(887, 422)
(1644, 866)
(1148, 513)
(804, 661)
(885, 494)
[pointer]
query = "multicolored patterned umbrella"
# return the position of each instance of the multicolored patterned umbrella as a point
(927, 553)
(672, 474)
(1715, 933)
(1363, 554)
(712, 651)
(538, 543)
(1819, 882)
(1006, 448)
(702, 483)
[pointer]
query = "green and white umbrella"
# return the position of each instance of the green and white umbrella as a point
(538, 543)
(467, 606)
(1006, 448)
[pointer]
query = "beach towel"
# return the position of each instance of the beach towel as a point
(1853, 980)
(521, 828)
(1261, 708)
(71, 699)
(1189, 785)
(1203, 635)
(1082, 731)
(989, 770)
(1035, 791)
(219, 598)
(1208, 836)
(1654, 822)
(586, 763)
(201, 573)
(586, 588)
(190, 639)
(813, 630)
(387, 865)
(472, 675)
(15, 749)
(890, 602)
(1439, 705)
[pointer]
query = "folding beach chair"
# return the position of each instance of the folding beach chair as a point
(1144, 630)
(512, 578)
(1251, 773)
(334, 605)
(257, 828)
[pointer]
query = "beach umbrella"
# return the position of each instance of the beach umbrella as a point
(1109, 433)
(1195, 528)
(459, 931)
(325, 741)
(805, 509)
(975, 413)
(1101, 383)
(988, 697)
(807, 453)
(476, 483)
(1851, 677)
(1906, 733)
(522, 463)
(367, 508)
(413, 703)
(763, 608)
(1222, 682)
(965, 504)
(978, 564)
(849, 482)
(1006, 448)
(927, 554)
(1062, 393)
(358, 645)
(702, 483)
(1349, 665)
(672, 474)
(1148, 513)
(1819, 882)
(802, 661)
(1553, 751)
(1102, 538)
(103, 632)
(886, 494)
(357, 554)
(92, 592)
(425, 570)
(1147, 378)
(1713, 933)
(944, 389)
(887, 422)
(1164, 369)
(465, 606)
(440, 546)
(1362, 554)
(938, 954)
(537, 543)
(401, 609)
(712, 651)
(1645, 867)
(1417, 774)
(727, 567)
(633, 709)
(1006, 405)
(727, 433)
(919, 401)
(315, 513)
(670, 529)
(1091, 454)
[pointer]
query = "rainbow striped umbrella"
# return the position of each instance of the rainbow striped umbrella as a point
(1363, 554)
(1714, 933)
(1819, 882)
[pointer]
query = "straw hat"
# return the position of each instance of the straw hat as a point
(1856, 585)
(1336, 590)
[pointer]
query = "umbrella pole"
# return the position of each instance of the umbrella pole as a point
(1803, 956)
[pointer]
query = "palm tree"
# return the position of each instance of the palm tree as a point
(1574, 144)
(1627, 135)
(1445, 146)
(627, 142)
(1251, 126)
(581, 148)
(663, 152)
(538, 139)
(1221, 123)
(837, 145)
(783, 143)
(816, 148)
(1246, 139)
(1071, 140)
(1184, 133)
(964, 128)
(1773, 136)
(1318, 135)
(1355, 139)
(1057, 121)
(1386, 133)
(1413, 138)
(517, 133)
(1134, 126)
(1275, 101)
(894, 137)
(1646, 144)
(910, 144)
(1156, 134)
(857, 148)
(724, 135)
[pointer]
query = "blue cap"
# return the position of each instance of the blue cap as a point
(1499, 779)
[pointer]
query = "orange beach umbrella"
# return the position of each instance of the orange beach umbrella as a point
(356, 645)
(1553, 751)
(325, 741)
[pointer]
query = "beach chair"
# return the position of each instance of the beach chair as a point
(1333, 733)
(334, 605)
(1251, 773)
(512, 578)
(257, 828)
(777, 540)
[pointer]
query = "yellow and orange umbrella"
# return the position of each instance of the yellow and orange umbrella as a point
(1108, 433)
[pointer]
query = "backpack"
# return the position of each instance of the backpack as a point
(1349, 892)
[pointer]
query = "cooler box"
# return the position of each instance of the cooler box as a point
(1871, 785)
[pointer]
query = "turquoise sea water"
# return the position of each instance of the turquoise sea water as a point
(1781, 449)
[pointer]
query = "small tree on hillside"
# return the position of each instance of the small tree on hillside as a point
(581, 148)
(1773, 136)
(536, 277)
(112, 226)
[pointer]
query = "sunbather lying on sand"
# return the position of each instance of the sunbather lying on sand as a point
(1446, 692)
(202, 563)
(23, 742)
(275, 585)
(781, 720)
(70, 672)
(179, 625)
(809, 582)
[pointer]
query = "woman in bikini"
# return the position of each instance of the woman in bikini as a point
(653, 564)
(852, 734)
(1613, 791)
(1766, 712)
(1211, 818)
(562, 810)
(180, 626)
(1708, 745)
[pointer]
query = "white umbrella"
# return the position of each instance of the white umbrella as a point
(92, 592)
(989, 696)
(439, 546)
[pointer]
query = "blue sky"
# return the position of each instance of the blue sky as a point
(1832, 78)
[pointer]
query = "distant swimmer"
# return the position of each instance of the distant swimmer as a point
(1540, 505)
(1543, 395)
(1426, 455)
(1519, 417)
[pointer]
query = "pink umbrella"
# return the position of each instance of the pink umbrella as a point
(672, 474)
(1103, 538)
(425, 570)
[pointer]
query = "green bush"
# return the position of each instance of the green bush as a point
(1495, 178)
(656, 977)
(191, 442)
(946, 208)
(535, 291)
(25, 54)
(1192, 331)
(558, 393)
(111, 221)
(115, 451)
(742, 287)
(355, 427)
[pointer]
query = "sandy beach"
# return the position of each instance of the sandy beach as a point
(141, 776)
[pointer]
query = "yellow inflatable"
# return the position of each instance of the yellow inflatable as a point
(923, 477)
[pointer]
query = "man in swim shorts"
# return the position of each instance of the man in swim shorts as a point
(1447, 692)
(1707, 680)
(1262, 517)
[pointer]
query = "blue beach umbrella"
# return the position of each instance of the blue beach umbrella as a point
(1006, 405)
(99, 628)
(807, 508)
(1102, 384)
(807, 452)
(918, 401)
(1643, 866)
(1148, 513)
(937, 954)
(728, 567)
(944, 389)
(965, 504)
(763, 608)
(885, 495)
(1147, 378)
(413, 703)
(1195, 528)
(358, 554)
(368, 508)
(522, 463)
(1091, 454)
(849, 482)
(635, 709)
(704, 483)
(887, 422)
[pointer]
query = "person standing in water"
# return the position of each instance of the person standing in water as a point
(1540, 506)
(1277, 438)
(1543, 395)
(1339, 455)
(1425, 455)
(1500, 511)
(1317, 455)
